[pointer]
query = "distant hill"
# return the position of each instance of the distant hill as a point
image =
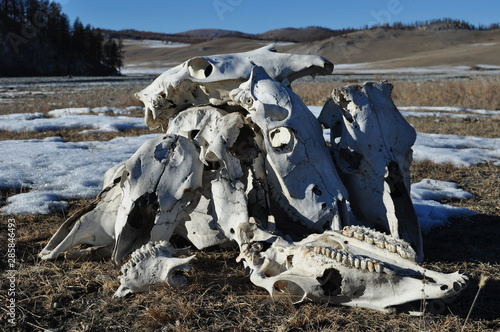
(302, 35)
(203, 35)
(297, 35)
(421, 44)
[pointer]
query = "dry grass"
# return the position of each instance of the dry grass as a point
(476, 93)
(47, 99)
(77, 296)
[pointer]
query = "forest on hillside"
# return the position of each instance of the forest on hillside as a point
(38, 39)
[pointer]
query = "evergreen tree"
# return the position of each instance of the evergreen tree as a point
(40, 39)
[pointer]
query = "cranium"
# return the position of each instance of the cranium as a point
(159, 184)
(209, 79)
(371, 144)
(302, 177)
(93, 225)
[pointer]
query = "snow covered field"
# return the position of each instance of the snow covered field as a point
(46, 172)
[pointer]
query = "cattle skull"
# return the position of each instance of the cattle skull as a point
(357, 267)
(371, 145)
(209, 79)
(302, 177)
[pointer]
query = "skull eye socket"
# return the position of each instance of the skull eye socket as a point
(200, 68)
(282, 139)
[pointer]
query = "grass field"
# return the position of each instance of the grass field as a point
(65, 295)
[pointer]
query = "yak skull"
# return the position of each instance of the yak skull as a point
(371, 144)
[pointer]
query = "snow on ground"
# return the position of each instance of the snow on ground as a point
(371, 68)
(73, 118)
(46, 172)
(461, 151)
(147, 68)
(50, 170)
(149, 43)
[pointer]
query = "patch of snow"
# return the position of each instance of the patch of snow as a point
(70, 119)
(440, 115)
(428, 189)
(371, 68)
(21, 117)
(153, 67)
(86, 110)
(490, 67)
(53, 170)
(406, 110)
(150, 43)
(277, 43)
(461, 151)
(426, 195)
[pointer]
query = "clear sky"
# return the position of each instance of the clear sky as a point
(255, 16)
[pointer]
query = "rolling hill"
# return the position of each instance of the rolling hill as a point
(382, 48)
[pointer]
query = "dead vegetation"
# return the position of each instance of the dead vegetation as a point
(46, 99)
(474, 92)
(77, 296)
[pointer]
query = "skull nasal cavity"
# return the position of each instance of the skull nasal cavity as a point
(200, 68)
(317, 191)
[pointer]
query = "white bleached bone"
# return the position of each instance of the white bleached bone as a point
(209, 79)
(371, 144)
(93, 225)
(160, 182)
(300, 172)
(151, 264)
(242, 160)
(341, 267)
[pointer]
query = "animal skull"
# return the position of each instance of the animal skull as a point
(371, 145)
(159, 184)
(209, 79)
(357, 267)
(93, 225)
(302, 177)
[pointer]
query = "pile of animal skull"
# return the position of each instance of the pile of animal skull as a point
(244, 161)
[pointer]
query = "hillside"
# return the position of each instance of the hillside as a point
(385, 48)
(373, 49)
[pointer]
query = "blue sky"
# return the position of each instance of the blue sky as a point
(255, 16)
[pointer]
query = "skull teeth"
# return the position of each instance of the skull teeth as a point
(357, 262)
(380, 240)
(348, 231)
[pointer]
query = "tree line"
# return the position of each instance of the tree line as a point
(37, 38)
(437, 24)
